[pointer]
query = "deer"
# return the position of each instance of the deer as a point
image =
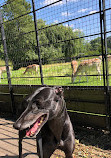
(74, 65)
(108, 57)
(31, 68)
(3, 69)
(85, 65)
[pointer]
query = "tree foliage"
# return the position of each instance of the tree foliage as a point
(55, 42)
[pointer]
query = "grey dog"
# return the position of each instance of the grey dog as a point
(46, 113)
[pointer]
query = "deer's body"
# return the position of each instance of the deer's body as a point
(31, 68)
(85, 65)
(3, 69)
(108, 57)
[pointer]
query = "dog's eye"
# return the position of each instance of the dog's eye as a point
(33, 106)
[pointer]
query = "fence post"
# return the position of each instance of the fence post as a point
(37, 40)
(6, 63)
(106, 65)
(102, 43)
(105, 44)
(104, 59)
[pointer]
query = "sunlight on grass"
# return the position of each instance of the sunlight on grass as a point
(54, 74)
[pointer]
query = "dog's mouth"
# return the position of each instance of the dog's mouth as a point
(35, 128)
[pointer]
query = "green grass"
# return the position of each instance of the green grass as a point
(2, 62)
(49, 73)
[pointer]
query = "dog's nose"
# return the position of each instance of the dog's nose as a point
(16, 126)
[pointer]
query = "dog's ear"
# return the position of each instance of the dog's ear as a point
(59, 91)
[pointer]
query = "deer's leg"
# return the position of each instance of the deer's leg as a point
(10, 73)
(0, 77)
(99, 72)
(81, 76)
(37, 71)
(72, 78)
(86, 77)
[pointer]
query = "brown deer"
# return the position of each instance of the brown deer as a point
(31, 68)
(74, 65)
(108, 57)
(85, 65)
(3, 69)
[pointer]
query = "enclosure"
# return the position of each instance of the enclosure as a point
(40, 39)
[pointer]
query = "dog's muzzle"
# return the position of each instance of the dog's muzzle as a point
(32, 126)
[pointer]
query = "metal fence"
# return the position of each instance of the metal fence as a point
(40, 39)
(53, 33)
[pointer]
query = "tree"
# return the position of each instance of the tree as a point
(20, 47)
(96, 45)
(65, 38)
(109, 42)
(55, 41)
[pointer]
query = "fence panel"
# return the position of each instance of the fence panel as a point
(84, 111)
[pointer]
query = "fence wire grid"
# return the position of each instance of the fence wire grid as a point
(43, 37)
(58, 42)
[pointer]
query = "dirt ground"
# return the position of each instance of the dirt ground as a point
(89, 143)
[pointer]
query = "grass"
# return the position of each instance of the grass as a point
(2, 63)
(54, 74)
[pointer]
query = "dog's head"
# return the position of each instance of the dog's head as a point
(43, 105)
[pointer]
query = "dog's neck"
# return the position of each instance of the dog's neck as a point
(57, 122)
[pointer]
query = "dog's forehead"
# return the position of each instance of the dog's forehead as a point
(43, 92)
(34, 94)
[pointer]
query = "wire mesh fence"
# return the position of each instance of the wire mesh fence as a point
(59, 42)
(66, 30)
